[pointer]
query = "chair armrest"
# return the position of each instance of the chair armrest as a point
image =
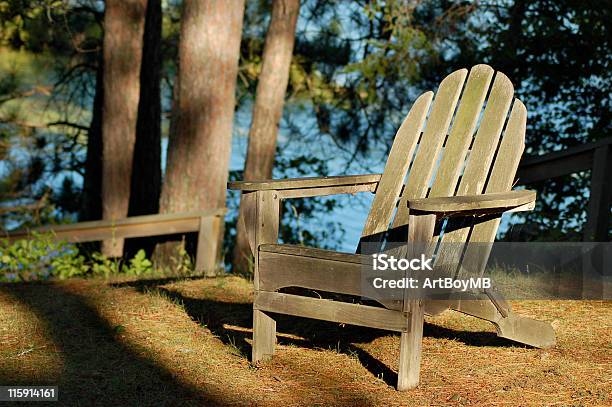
(311, 186)
(475, 204)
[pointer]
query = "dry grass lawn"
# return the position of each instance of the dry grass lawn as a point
(165, 342)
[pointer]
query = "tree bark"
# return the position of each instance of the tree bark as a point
(123, 35)
(267, 112)
(200, 144)
(146, 167)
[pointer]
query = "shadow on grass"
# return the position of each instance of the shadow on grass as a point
(221, 316)
(98, 369)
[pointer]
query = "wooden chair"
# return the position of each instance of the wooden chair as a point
(464, 171)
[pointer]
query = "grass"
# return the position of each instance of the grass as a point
(185, 342)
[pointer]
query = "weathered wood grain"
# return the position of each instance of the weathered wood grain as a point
(307, 182)
(264, 230)
(135, 226)
(411, 342)
(314, 269)
(323, 191)
(266, 224)
(461, 133)
(431, 141)
(511, 326)
(478, 165)
(504, 168)
(264, 336)
(487, 137)
(401, 153)
(304, 251)
(248, 203)
(473, 204)
(207, 252)
(420, 235)
(327, 310)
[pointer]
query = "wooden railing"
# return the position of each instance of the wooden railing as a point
(208, 225)
(596, 157)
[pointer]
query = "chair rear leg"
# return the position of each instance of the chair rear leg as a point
(495, 309)
(410, 349)
(264, 336)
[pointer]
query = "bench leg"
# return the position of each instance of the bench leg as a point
(410, 349)
(209, 240)
(264, 336)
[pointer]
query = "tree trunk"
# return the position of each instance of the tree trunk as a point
(146, 167)
(200, 144)
(91, 206)
(166, 253)
(269, 100)
(123, 34)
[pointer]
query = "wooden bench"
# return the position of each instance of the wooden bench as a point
(208, 224)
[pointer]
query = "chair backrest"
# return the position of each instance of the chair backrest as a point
(451, 146)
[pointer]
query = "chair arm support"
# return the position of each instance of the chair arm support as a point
(482, 204)
(311, 186)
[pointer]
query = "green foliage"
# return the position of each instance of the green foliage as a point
(300, 215)
(102, 265)
(180, 261)
(43, 258)
(39, 25)
(48, 56)
(396, 53)
(357, 65)
(50, 52)
(139, 264)
(557, 54)
(40, 258)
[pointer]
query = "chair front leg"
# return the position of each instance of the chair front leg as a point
(420, 233)
(410, 348)
(262, 227)
(264, 336)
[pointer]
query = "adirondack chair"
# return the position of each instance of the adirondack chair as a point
(471, 186)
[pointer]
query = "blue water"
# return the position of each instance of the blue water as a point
(352, 209)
